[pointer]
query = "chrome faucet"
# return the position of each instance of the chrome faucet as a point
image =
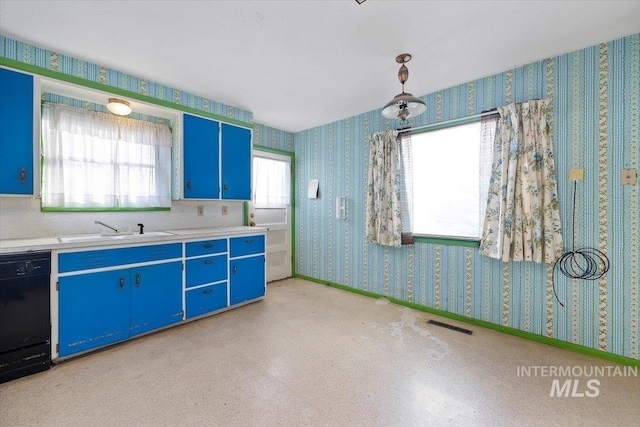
(108, 226)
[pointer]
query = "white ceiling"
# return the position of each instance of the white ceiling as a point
(299, 64)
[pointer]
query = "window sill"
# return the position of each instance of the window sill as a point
(45, 209)
(448, 241)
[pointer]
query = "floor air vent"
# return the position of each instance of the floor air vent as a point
(453, 328)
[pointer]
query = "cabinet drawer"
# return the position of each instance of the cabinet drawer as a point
(206, 299)
(111, 257)
(206, 247)
(206, 270)
(247, 245)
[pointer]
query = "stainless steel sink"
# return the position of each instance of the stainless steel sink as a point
(119, 236)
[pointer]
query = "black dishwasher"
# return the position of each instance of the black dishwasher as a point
(25, 314)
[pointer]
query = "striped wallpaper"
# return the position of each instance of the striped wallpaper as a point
(596, 94)
(269, 137)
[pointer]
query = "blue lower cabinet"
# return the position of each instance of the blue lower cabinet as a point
(156, 296)
(101, 308)
(246, 278)
(94, 310)
(206, 299)
(97, 309)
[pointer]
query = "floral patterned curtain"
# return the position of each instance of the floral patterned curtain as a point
(522, 220)
(383, 224)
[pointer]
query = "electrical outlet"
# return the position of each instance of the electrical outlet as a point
(225, 210)
(628, 176)
(576, 174)
(200, 210)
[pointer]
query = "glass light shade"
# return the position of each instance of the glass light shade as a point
(411, 104)
(118, 107)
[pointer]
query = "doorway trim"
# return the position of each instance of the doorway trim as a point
(292, 156)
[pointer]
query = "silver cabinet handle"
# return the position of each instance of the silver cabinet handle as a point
(208, 291)
(235, 269)
(23, 175)
(207, 262)
(137, 280)
(121, 282)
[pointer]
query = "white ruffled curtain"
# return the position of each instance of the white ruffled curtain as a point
(383, 222)
(97, 160)
(522, 219)
(271, 181)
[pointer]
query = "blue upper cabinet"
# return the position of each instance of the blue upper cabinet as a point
(217, 160)
(236, 163)
(201, 147)
(16, 132)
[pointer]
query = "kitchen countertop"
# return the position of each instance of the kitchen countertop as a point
(54, 243)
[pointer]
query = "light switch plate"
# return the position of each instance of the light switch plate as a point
(576, 174)
(629, 177)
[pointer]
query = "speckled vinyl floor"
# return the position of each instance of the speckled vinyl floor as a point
(310, 355)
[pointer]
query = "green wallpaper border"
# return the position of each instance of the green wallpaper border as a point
(33, 69)
(622, 360)
(245, 214)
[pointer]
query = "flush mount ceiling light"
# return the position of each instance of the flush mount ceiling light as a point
(118, 107)
(403, 105)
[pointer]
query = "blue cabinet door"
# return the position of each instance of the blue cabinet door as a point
(201, 158)
(16, 132)
(93, 310)
(236, 163)
(247, 279)
(156, 296)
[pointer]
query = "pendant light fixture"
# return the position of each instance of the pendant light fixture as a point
(119, 107)
(403, 105)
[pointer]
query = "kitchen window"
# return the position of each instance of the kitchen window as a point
(97, 161)
(271, 182)
(450, 180)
